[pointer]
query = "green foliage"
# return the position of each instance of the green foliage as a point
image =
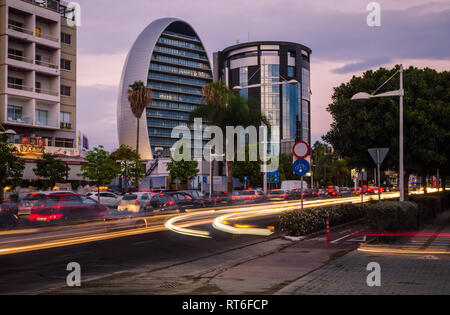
(11, 165)
(328, 167)
(131, 169)
(51, 168)
(101, 169)
(358, 126)
(251, 169)
(297, 223)
(223, 109)
(124, 153)
(392, 216)
(182, 170)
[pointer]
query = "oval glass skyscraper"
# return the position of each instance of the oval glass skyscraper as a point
(170, 57)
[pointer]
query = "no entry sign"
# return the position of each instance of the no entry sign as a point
(301, 149)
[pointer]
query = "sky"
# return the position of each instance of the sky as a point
(412, 32)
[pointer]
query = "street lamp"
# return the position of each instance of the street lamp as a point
(401, 93)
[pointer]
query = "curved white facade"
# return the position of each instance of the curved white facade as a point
(137, 68)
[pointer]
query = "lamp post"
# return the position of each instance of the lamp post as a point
(401, 93)
(211, 175)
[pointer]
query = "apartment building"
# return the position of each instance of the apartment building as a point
(38, 74)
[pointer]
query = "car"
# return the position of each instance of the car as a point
(30, 200)
(108, 199)
(332, 191)
(8, 214)
(186, 201)
(139, 202)
(279, 194)
(221, 198)
(251, 196)
(307, 193)
(66, 207)
(345, 191)
(374, 189)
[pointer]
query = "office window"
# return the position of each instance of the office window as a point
(291, 72)
(65, 64)
(65, 90)
(66, 38)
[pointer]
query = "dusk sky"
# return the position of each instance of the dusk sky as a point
(412, 32)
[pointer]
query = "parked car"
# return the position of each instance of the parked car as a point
(278, 194)
(8, 214)
(221, 198)
(108, 199)
(30, 200)
(146, 202)
(198, 195)
(345, 191)
(251, 196)
(66, 207)
(186, 201)
(332, 191)
(307, 193)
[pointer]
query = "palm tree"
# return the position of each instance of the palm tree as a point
(222, 108)
(139, 96)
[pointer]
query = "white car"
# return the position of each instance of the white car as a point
(108, 199)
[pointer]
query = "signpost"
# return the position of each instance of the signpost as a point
(301, 166)
(378, 155)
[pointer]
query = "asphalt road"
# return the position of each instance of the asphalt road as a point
(31, 272)
(34, 262)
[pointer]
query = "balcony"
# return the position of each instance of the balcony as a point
(46, 64)
(20, 87)
(21, 120)
(47, 124)
(21, 29)
(20, 58)
(47, 92)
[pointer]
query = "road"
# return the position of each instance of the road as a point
(32, 260)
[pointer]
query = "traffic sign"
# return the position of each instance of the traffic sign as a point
(301, 149)
(379, 154)
(273, 177)
(301, 167)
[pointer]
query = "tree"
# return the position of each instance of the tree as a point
(129, 163)
(11, 165)
(358, 126)
(50, 167)
(182, 170)
(100, 169)
(249, 169)
(223, 109)
(139, 97)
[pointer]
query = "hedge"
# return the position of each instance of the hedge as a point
(308, 221)
(382, 217)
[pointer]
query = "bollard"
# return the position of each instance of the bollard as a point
(328, 231)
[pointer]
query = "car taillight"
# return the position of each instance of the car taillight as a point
(136, 202)
(120, 202)
(170, 203)
(148, 203)
(283, 196)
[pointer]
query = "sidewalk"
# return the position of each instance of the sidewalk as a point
(280, 266)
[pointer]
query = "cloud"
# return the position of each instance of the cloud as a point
(360, 66)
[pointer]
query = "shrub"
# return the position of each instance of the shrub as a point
(392, 216)
(312, 220)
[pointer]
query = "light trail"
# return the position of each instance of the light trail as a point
(179, 224)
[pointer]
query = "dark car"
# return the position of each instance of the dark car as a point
(66, 207)
(220, 198)
(251, 196)
(345, 191)
(186, 201)
(8, 214)
(332, 191)
(278, 195)
(162, 202)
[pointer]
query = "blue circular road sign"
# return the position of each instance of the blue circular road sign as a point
(301, 167)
